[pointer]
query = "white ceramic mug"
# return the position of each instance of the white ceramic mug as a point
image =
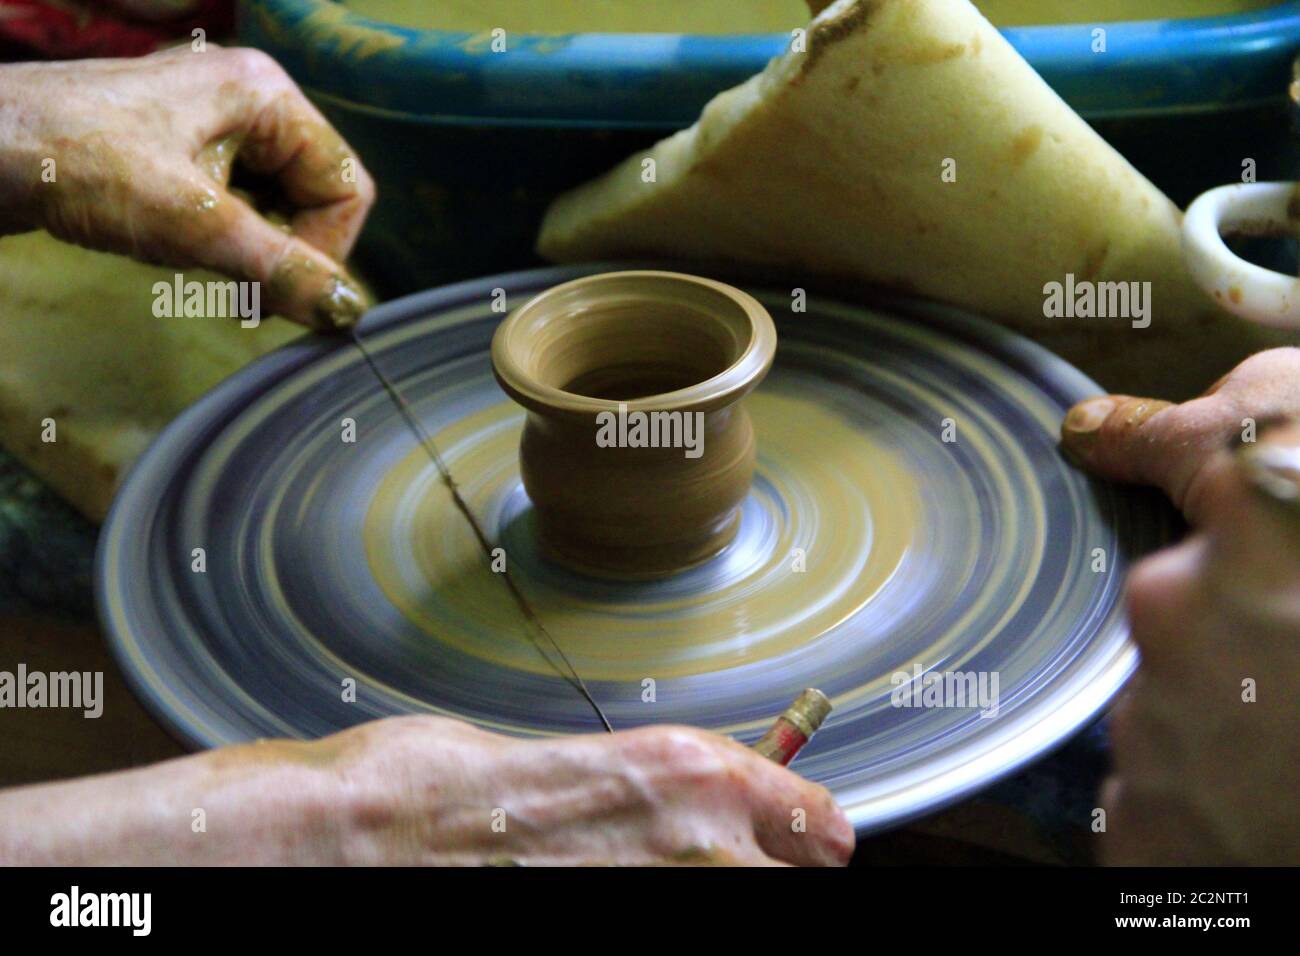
(1259, 209)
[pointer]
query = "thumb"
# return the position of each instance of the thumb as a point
(1149, 441)
(298, 281)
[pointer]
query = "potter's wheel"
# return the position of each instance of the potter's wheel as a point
(328, 560)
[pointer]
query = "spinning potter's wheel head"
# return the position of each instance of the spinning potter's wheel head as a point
(910, 513)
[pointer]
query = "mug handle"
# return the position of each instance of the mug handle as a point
(1260, 209)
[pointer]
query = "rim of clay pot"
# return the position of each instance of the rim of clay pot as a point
(514, 353)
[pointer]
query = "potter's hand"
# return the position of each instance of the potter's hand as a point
(1153, 442)
(1207, 741)
(414, 790)
(659, 794)
(133, 156)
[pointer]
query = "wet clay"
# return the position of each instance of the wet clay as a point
(846, 499)
(637, 450)
(339, 302)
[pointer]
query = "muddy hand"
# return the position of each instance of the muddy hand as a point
(133, 156)
(1207, 740)
(1154, 442)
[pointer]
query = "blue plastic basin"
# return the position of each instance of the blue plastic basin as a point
(469, 146)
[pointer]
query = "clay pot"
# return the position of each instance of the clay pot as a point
(637, 452)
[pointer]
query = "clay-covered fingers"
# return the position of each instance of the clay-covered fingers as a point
(1150, 441)
(319, 173)
(283, 135)
(241, 107)
(263, 121)
(298, 281)
(143, 149)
